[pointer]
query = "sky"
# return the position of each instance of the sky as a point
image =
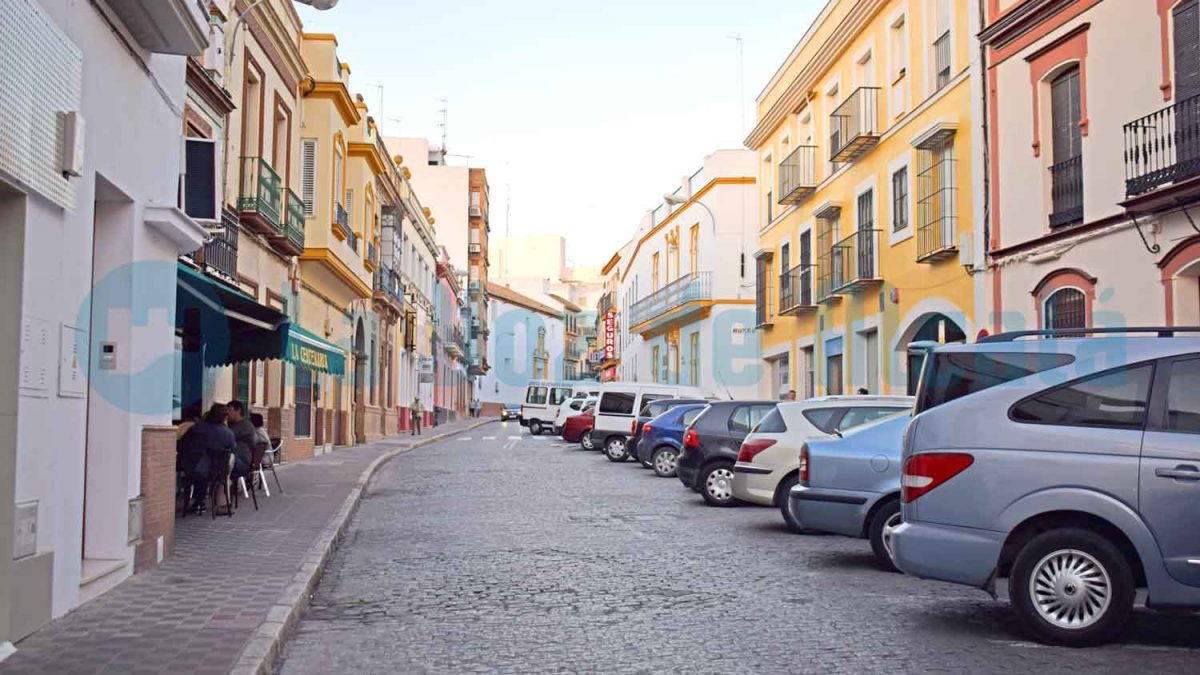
(583, 114)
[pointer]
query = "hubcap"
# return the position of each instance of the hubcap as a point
(889, 528)
(664, 462)
(720, 484)
(587, 440)
(1070, 589)
(616, 449)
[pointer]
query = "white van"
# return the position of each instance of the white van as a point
(574, 405)
(543, 399)
(617, 408)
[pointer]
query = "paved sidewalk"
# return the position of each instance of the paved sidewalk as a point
(233, 587)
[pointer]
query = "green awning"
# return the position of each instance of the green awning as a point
(234, 328)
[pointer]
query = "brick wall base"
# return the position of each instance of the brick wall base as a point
(158, 496)
(491, 409)
(294, 449)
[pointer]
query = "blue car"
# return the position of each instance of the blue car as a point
(851, 485)
(662, 437)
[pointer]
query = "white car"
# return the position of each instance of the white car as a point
(573, 406)
(542, 401)
(768, 463)
(616, 412)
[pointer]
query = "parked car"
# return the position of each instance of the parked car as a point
(850, 485)
(616, 407)
(542, 400)
(768, 463)
(710, 447)
(650, 410)
(662, 437)
(578, 428)
(510, 411)
(572, 406)
(1069, 466)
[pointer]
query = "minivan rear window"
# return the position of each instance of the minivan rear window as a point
(950, 376)
(616, 403)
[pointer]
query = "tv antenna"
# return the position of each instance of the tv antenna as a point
(445, 112)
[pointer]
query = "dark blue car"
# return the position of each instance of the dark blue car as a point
(662, 437)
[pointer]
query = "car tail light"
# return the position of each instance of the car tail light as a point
(925, 472)
(804, 465)
(690, 439)
(646, 428)
(750, 448)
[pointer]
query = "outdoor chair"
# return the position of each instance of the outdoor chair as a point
(256, 456)
(269, 458)
(218, 480)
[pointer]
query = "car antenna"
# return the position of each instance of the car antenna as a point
(723, 386)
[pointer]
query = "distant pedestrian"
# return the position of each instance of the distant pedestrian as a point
(417, 412)
(791, 395)
(862, 391)
(475, 406)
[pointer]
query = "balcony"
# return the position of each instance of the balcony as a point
(372, 259)
(291, 241)
(1066, 193)
(165, 26)
(606, 303)
(474, 288)
(260, 198)
(474, 248)
(854, 125)
(572, 353)
(673, 299)
(341, 226)
(798, 175)
(937, 210)
(851, 265)
(219, 255)
(388, 287)
(1163, 148)
(796, 290)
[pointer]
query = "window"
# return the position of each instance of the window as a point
(304, 398)
(1066, 173)
(866, 211)
(241, 382)
(338, 176)
(654, 363)
(808, 363)
(900, 199)
(822, 418)
(1065, 308)
(950, 376)
(899, 65)
(943, 53)
(1114, 399)
(694, 249)
(536, 396)
(746, 417)
(858, 416)
(200, 181)
(833, 375)
(691, 414)
(654, 272)
(1183, 397)
(308, 173)
(694, 359)
(770, 206)
(761, 290)
(558, 395)
(647, 399)
(773, 423)
(616, 403)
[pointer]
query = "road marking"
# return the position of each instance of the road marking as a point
(514, 438)
(512, 443)
(464, 438)
(489, 438)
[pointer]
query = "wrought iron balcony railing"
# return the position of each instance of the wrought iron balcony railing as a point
(942, 56)
(606, 303)
(798, 175)
(372, 254)
(261, 191)
(341, 220)
(1066, 192)
(850, 264)
(854, 125)
(293, 225)
(796, 289)
(387, 283)
(937, 212)
(219, 255)
(685, 289)
(1163, 147)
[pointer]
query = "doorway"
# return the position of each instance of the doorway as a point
(360, 383)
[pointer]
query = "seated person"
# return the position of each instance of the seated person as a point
(197, 448)
(243, 432)
(260, 433)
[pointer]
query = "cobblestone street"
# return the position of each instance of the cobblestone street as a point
(502, 552)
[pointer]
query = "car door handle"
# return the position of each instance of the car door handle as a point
(1182, 472)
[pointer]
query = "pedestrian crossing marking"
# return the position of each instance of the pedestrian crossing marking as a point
(489, 438)
(514, 438)
(464, 438)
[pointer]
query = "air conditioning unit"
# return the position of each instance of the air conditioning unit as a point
(476, 211)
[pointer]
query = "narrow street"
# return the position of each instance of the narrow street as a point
(502, 552)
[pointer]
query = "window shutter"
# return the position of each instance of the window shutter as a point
(350, 204)
(200, 183)
(1064, 116)
(308, 173)
(1187, 49)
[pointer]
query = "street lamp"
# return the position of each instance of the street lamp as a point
(319, 5)
(676, 200)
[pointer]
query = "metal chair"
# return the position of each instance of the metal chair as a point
(268, 462)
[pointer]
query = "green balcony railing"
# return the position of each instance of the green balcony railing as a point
(294, 227)
(261, 190)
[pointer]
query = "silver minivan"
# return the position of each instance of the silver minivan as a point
(1068, 466)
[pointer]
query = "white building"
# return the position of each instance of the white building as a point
(526, 339)
(686, 284)
(89, 235)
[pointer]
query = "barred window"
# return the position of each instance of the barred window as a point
(900, 200)
(1065, 308)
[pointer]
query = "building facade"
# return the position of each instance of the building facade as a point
(866, 146)
(528, 339)
(686, 298)
(1092, 184)
(452, 390)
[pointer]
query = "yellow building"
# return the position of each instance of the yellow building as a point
(864, 143)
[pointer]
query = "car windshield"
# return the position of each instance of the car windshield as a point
(948, 376)
(874, 423)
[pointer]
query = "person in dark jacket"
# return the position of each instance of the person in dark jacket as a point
(197, 448)
(243, 433)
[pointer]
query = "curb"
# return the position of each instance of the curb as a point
(258, 657)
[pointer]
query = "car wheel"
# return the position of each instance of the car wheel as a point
(1071, 587)
(535, 427)
(615, 449)
(663, 462)
(879, 531)
(716, 484)
(784, 500)
(586, 442)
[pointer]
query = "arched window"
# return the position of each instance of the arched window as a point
(1065, 308)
